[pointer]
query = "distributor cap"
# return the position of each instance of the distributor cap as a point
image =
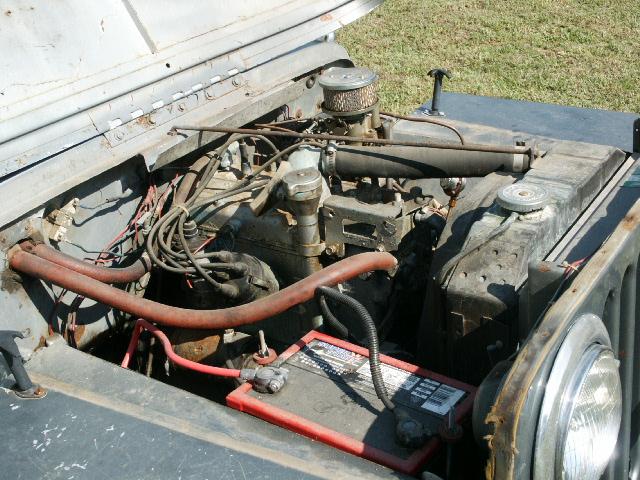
(340, 78)
(523, 197)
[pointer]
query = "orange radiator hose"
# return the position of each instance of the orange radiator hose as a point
(231, 317)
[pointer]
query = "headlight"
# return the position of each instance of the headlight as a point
(591, 417)
(582, 406)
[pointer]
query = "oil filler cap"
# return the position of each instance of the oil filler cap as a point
(523, 197)
(302, 184)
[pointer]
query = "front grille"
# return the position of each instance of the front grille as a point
(607, 286)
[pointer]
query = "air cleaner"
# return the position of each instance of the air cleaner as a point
(349, 91)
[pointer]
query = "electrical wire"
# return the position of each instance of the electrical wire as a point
(168, 245)
(430, 120)
(171, 355)
(330, 318)
(372, 340)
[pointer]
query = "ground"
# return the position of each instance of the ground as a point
(584, 53)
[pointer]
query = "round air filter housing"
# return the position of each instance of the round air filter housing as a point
(349, 91)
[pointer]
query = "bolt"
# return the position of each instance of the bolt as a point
(118, 135)
(311, 81)
(274, 387)
(181, 107)
(236, 81)
(438, 74)
(264, 351)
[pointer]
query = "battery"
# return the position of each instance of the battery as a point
(329, 397)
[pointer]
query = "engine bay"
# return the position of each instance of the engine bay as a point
(372, 259)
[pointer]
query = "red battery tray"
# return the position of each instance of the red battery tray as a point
(329, 397)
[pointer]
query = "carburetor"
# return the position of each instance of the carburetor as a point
(351, 94)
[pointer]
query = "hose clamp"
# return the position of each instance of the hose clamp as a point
(519, 158)
(329, 159)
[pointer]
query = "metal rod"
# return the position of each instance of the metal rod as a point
(341, 138)
(264, 351)
(430, 120)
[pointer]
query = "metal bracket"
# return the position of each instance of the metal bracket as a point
(24, 387)
(352, 222)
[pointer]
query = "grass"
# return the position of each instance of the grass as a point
(584, 53)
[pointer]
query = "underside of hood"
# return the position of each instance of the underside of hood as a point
(73, 70)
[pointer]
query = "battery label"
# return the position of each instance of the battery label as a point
(419, 392)
(393, 377)
(443, 399)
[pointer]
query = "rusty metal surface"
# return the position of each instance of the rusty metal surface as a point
(610, 274)
(201, 346)
(350, 221)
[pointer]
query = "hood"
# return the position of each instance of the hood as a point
(73, 70)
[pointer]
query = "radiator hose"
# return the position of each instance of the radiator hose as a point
(171, 316)
(409, 432)
(421, 162)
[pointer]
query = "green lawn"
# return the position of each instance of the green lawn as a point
(576, 52)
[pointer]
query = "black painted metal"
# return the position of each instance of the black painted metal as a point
(541, 119)
(14, 360)
(613, 292)
(438, 75)
(103, 421)
(607, 286)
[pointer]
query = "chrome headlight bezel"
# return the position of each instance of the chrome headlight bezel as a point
(585, 341)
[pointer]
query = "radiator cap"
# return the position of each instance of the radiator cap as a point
(523, 197)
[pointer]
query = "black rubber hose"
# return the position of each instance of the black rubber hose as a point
(372, 340)
(422, 162)
(330, 318)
